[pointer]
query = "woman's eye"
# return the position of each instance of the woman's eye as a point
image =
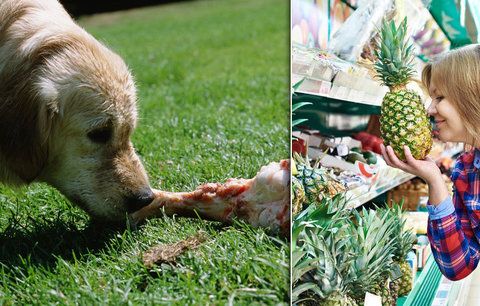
(101, 135)
(438, 99)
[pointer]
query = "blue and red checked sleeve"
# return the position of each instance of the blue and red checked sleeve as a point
(453, 234)
(444, 209)
(453, 248)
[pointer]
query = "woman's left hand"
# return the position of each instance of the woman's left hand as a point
(426, 168)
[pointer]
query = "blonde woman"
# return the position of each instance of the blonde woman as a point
(453, 81)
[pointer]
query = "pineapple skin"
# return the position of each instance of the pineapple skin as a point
(384, 292)
(337, 300)
(405, 283)
(404, 121)
(313, 181)
(298, 195)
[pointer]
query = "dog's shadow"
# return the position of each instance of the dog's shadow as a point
(43, 244)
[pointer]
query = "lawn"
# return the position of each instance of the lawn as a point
(213, 87)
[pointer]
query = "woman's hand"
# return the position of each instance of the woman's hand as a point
(426, 169)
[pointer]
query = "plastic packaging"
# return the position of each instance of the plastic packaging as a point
(348, 41)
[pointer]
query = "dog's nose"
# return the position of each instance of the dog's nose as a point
(140, 199)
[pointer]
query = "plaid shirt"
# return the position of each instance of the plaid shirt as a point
(453, 226)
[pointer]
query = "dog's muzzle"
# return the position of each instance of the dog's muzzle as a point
(139, 200)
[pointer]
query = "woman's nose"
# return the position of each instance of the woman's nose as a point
(432, 108)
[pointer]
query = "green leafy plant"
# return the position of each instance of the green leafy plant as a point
(297, 105)
(320, 252)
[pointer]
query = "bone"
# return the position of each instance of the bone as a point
(263, 201)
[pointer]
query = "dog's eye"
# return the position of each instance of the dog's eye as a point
(101, 135)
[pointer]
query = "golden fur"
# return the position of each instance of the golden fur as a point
(57, 85)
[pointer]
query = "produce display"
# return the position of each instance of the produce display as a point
(317, 181)
(359, 225)
(404, 119)
(338, 255)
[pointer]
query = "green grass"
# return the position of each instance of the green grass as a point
(213, 88)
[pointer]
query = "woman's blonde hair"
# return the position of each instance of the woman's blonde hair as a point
(456, 74)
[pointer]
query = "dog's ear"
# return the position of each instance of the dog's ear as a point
(28, 106)
(25, 125)
(21, 143)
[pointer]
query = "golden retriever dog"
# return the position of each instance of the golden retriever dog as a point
(67, 110)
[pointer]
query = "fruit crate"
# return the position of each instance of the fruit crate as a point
(412, 193)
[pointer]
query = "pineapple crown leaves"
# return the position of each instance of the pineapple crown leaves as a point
(332, 256)
(374, 249)
(305, 162)
(298, 289)
(301, 263)
(298, 105)
(395, 55)
(402, 237)
(294, 108)
(328, 215)
(301, 266)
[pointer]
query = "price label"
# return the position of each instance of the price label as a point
(372, 300)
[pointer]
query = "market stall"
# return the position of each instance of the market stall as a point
(337, 97)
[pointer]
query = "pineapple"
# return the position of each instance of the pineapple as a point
(404, 120)
(370, 236)
(294, 167)
(298, 195)
(383, 290)
(322, 255)
(332, 263)
(327, 249)
(313, 179)
(316, 181)
(404, 240)
(405, 283)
